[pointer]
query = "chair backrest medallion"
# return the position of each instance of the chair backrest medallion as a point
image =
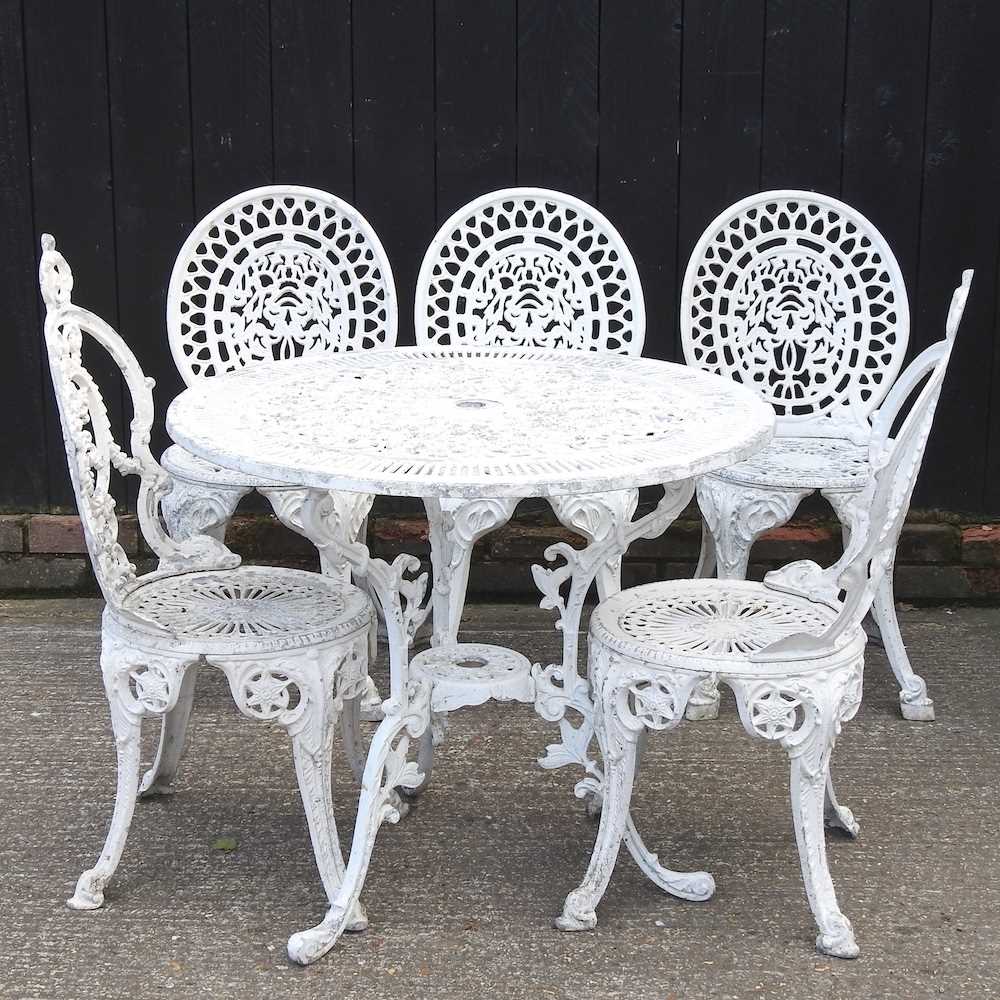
(527, 267)
(275, 273)
(91, 450)
(850, 584)
(798, 296)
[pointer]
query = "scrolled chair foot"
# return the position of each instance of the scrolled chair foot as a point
(841, 818)
(840, 942)
(703, 703)
(358, 920)
(576, 916)
(921, 710)
(400, 803)
(152, 787)
(593, 804)
(89, 894)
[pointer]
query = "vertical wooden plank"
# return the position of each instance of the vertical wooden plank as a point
(394, 134)
(640, 85)
(476, 99)
(991, 497)
(720, 111)
(230, 98)
(151, 144)
(23, 469)
(960, 222)
(312, 94)
(65, 48)
(557, 84)
(804, 52)
(884, 111)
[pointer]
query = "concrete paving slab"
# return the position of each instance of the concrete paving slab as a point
(462, 893)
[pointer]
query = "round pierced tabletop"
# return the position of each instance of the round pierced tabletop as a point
(471, 422)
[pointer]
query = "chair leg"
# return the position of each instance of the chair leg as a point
(300, 695)
(836, 816)
(808, 791)
(173, 732)
(191, 509)
(914, 702)
(127, 726)
(312, 748)
(619, 747)
(706, 557)
(136, 686)
(386, 769)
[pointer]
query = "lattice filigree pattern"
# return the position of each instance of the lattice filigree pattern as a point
(246, 602)
(492, 422)
(804, 463)
(530, 268)
(713, 618)
(800, 297)
(277, 273)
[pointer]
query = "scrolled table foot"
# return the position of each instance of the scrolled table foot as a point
(386, 772)
(577, 914)
(839, 943)
(89, 894)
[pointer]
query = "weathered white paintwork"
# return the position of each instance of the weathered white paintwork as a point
(565, 424)
(798, 296)
(791, 649)
(293, 645)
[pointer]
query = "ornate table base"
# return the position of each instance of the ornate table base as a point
(450, 675)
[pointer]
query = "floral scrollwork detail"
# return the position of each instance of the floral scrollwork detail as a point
(152, 687)
(654, 704)
(775, 713)
(267, 694)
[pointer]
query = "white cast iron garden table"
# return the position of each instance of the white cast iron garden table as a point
(491, 426)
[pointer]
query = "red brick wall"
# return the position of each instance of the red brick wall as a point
(939, 558)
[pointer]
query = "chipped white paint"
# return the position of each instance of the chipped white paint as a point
(800, 297)
(791, 649)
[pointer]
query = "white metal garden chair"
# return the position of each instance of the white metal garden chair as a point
(272, 274)
(523, 267)
(791, 649)
(293, 645)
(798, 296)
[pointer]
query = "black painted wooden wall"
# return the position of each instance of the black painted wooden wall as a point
(123, 121)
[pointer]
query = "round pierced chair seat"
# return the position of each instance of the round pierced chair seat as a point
(703, 624)
(798, 463)
(181, 464)
(250, 607)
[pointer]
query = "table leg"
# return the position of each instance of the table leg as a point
(560, 688)
(344, 519)
(407, 715)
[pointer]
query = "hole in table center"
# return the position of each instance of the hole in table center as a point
(471, 662)
(475, 404)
